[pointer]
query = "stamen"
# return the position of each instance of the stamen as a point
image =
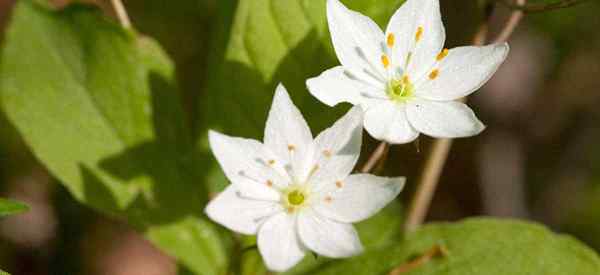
(328, 199)
(408, 58)
(269, 183)
(385, 61)
(327, 153)
(271, 162)
(434, 74)
(405, 80)
(338, 184)
(419, 34)
(390, 40)
(441, 55)
(291, 147)
(313, 170)
(290, 209)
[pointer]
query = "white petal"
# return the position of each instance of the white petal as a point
(387, 121)
(247, 159)
(286, 132)
(278, 242)
(238, 214)
(357, 197)
(357, 41)
(338, 85)
(337, 148)
(463, 71)
(404, 25)
(439, 119)
(327, 237)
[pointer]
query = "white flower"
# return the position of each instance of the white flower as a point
(294, 192)
(405, 80)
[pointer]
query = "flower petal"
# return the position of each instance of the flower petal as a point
(449, 119)
(327, 237)
(246, 160)
(278, 242)
(358, 197)
(419, 32)
(357, 41)
(337, 148)
(338, 85)
(387, 121)
(239, 214)
(286, 132)
(462, 72)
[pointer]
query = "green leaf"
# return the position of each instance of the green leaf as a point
(10, 207)
(3, 273)
(479, 246)
(98, 105)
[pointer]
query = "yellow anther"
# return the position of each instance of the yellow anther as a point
(291, 147)
(328, 199)
(405, 80)
(441, 55)
(271, 162)
(327, 153)
(338, 184)
(385, 61)
(269, 183)
(419, 34)
(433, 74)
(390, 40)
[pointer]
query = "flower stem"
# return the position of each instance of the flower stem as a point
(375, 157)
(121, 13)
(436, 160)
(435, 251)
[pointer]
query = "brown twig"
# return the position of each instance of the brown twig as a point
(435, 251)
(539, 7)
(434, 165)
(511, 24)
(375, 157)
(121, 13)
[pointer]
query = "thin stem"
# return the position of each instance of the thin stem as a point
(121, 13)
(434, 165)
(375, 157)
(435, 251)
(511, 24)
(532, 8)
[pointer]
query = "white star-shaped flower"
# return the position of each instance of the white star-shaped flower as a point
(294, 192)
(406, 82)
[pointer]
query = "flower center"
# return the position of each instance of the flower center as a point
(400, 90)
(295, 197)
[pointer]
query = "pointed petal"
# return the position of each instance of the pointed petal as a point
(246, 160)
(418, 29)
(449, 119)
(278, 242)
(338, 147)
(338, 85)
(238, 214)
(462, 72)
(357, 41)
(327, 237)
(286, 132)
(387, 121)
(357, 197)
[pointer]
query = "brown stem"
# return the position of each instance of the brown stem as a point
(511, 24)
(375, 157)
(435, 251)
(434, 165)
(121, 13)
(539, 7)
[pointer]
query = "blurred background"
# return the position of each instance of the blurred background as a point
(538, 159)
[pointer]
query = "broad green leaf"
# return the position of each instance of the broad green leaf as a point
(98, 106)
(3, 273)
(479, 246)
(10, 207)
(375, 232)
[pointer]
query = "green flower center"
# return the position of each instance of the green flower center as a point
(400, 90)
(295, 197)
